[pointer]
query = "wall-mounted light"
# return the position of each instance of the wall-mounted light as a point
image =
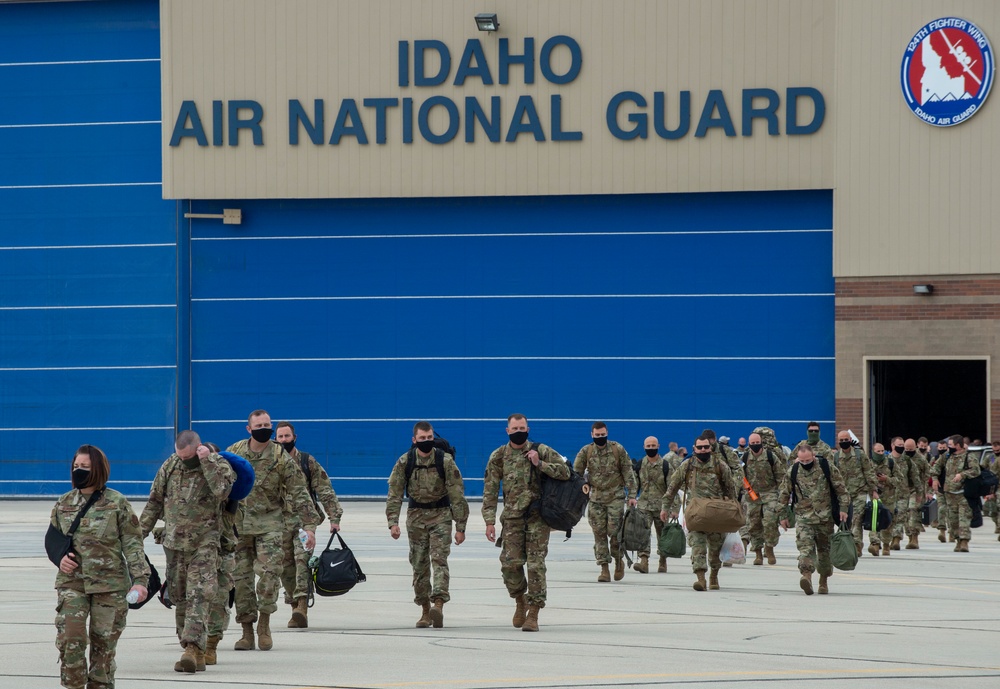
(487, 21)
(923, 289)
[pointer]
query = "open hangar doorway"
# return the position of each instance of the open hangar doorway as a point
(932, 397)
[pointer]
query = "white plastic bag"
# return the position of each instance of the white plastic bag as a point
(732, 549)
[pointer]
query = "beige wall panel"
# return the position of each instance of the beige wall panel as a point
(271, 51)
(910, 198)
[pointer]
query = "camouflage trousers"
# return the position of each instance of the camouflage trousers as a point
(885, 535)
(900, 515)
(858, 504)
(763, 516)
(944, 510)
(107, 621)
(654, 518)
(525, 546)
(429, 534)
(294, 567)
(192, 581)
(813, 542)
(218, 609)
(257, 556)
(959, 516)
(605, 520)
(915, 512)
(705, 549)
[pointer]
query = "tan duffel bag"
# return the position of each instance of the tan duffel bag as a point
(713, 515)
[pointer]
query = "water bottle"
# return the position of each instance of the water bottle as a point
(303, 539)
(132, 597)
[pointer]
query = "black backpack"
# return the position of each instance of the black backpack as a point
(834, 502)
(337, 571)
(637, 467)
(411, 466)
(561, 504)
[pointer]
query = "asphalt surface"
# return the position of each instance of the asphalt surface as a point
(924, 618)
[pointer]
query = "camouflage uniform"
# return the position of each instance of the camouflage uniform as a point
(218, 609)
(960, 513)
(525, 537)
(279, 490)
(860, 480)
(814, 513)
(111, 560)
(188, 496)
(295, 559)
(434, 503)
(820, 449)
(937, 471)
(919, 471)
(652, 486)
(711, 479)
(988, 461)
(764, 472)
(887, 489)
(901, 511)
(609, 473)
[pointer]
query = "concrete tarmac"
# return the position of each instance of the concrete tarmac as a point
(920, 618)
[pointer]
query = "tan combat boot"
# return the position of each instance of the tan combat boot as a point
(942, 536)
(199, 660)
(951, 538)
(857, 547)
(700, 584)
(874, 549)
(713, 579)
(300, 614)
(642, 566)
(437, 614)
(264, 641)
(913, 545)
(963, 545)
(188, 661)
(425, 617)
(211, 650)
(605, 575)
(662, 569)
(519, 612)
(530, 620)
(895, 543)
(823, 587)
(769, 554)
(619, 569)
(758, 557)
(806, 583)
(885, 549)
(246, 643)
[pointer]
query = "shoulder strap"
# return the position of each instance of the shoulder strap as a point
(94, 497)
(439, 461)
(770, 457)
(411, 461)
(666, 470)
(795, 482)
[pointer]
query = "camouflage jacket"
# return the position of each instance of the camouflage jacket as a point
(812, 493)
(521, 482)
(959, 464)
(608, 470)
(319, 488)
(711, 479)
(764, 472)
(427, 486)
(108, 543)
(888, 490)
(279, 499)
(189, 501)
(920, 471)
(821, 449)
(651, 481)
(857, 470)
(729, 456)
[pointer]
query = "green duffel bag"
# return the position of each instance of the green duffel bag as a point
(843, 551)
(672, 541)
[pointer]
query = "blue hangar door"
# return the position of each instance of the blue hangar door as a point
(659, 314)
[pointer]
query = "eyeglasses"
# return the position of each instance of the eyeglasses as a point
(703, 447)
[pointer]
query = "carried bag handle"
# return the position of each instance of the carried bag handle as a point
(875, 504)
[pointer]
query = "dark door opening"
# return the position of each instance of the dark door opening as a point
(927, 397)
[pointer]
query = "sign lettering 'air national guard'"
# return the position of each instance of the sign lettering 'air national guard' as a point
(947, 71)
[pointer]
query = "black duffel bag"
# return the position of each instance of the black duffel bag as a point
(883, 516)
(336, 571)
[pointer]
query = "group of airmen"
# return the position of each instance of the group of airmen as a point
(253, 547)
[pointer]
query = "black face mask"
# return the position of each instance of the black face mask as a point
(898, 449)
(910, 453)
(518, 437)
(425, 446)
(652, 451)
(261, 435)
(601, 441)
(80, 477)
(755, 448)
(289, 446)
(192, 463)
(703, 456)
(844, 444)
(808, 466)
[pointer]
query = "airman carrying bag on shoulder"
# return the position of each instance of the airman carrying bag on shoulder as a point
(337, 571)
(58, 544)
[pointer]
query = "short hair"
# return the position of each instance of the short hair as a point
(256, 412)
(705, 437)
(894, 439)
(707, 434)
(518, 417)
(598, 424)
(811, 424)
(421, 426)
(804, 448)
(187, 439)
(957, 440)
(922, 439)
(100, 470)
(284, 424)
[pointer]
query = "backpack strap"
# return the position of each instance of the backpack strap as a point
(304, 463)
(411, 466)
